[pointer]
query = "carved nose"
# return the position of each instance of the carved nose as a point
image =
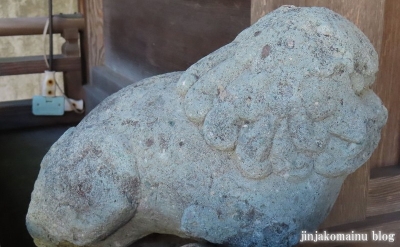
(377, 111)
(350, 125)
(383, 113)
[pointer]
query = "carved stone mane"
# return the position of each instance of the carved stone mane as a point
(248, 147)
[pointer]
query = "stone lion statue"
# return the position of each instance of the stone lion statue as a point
(247, 147)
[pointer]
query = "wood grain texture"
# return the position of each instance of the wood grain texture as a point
(384, 191)
(384, 172)
(73, 84)
(351, 203)
(36, 64)
(148, 37)
(72, 79)
(35, 25)
(388, 88)
(81, 6)
(70, 48)
(94, 35)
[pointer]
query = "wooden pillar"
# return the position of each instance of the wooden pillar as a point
(72, 79)
(387, 87)
(94, 45)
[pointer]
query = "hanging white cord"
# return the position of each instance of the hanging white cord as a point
(44, 43)
(73, 106)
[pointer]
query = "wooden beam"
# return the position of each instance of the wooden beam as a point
(36, 64)
(81, 6)
(384, 172)
(387, 88)
(18, 114)
(72, 79)
(94, 37)
(384, 191)
(35, 25)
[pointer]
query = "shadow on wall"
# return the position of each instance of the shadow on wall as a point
(20, 155)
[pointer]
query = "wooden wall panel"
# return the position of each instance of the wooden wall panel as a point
(147, 37)
(94, 32)
(352, 200)
(81, 6)
(36, 64)
(388, 88)
(384, 191)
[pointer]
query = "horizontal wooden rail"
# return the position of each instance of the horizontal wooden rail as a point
(36, 64)
(18, 114)
(35, 25)
(384, 191)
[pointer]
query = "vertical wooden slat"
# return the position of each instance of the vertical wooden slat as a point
(72, 79)
(351, 204)
(388, 88)
(369, 17)
(94, 32)
(70, 48)
(383, 191)
(81, 6)
(148, 37)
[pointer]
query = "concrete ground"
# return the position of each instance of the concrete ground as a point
(21, 152)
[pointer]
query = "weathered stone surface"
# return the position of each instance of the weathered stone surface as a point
(247, 147)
